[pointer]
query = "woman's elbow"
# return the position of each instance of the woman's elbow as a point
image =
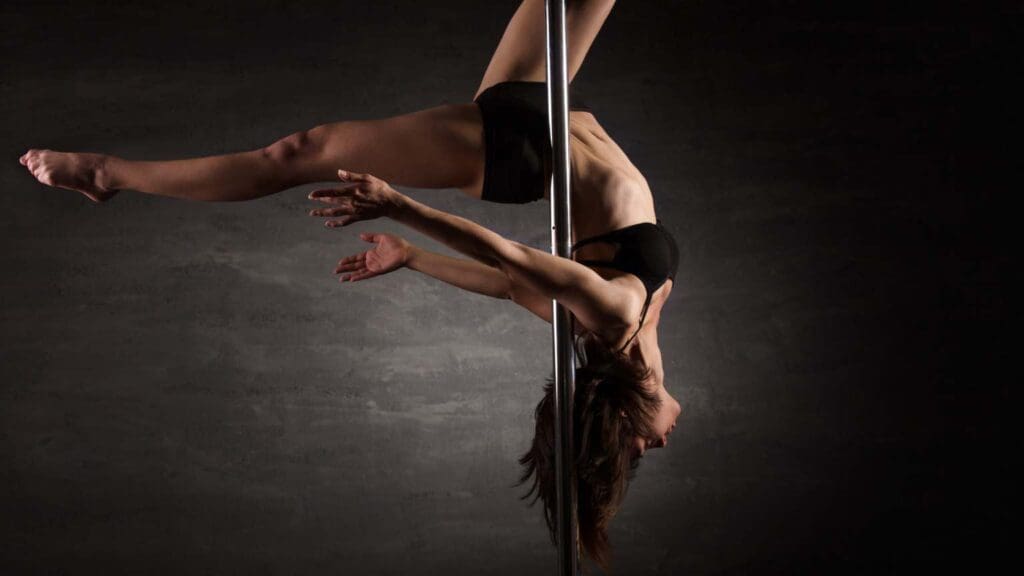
(518, 294)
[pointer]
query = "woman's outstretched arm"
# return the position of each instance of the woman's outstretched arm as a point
(595, 301)
(392, 252)
(480, 278)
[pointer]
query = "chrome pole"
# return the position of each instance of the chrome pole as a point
(561, 324)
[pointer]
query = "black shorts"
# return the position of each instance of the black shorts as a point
(517, 143)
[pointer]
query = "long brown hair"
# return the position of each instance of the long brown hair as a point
(611, 405)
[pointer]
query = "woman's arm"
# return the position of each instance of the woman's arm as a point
(391, 252)
(477, 277)
(465, 274)
(596, 302)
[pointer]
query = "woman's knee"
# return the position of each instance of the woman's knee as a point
(300, 147)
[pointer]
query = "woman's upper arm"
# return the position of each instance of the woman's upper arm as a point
(533, 301)
(594, 301)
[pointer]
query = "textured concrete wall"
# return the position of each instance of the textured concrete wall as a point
(186, 390)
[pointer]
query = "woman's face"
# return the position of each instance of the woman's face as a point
(664, 422)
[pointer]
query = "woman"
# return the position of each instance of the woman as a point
(495, 149)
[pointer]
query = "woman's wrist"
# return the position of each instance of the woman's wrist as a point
(397, 203)
(413, 254)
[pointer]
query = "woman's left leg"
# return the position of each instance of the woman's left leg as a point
(440, 147)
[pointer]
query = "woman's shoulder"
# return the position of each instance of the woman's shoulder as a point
(629, 295)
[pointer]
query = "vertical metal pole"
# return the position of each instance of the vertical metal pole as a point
(561, 238)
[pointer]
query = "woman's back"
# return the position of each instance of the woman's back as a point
(608, 191)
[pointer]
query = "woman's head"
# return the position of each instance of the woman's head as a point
(617, 416)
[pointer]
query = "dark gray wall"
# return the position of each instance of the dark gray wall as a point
(186, 390)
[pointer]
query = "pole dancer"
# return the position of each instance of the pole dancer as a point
(497, 149)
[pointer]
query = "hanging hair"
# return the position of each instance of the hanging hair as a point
(611, 405)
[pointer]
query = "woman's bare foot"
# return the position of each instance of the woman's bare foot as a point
(80, 172)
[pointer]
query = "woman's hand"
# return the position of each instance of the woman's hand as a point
(390, 253)
(363, 197)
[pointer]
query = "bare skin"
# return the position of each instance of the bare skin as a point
(440, 147)
(601, 304)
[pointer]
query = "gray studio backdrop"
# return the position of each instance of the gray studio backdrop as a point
(186, 389)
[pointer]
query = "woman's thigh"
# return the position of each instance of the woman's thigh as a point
(439, 147)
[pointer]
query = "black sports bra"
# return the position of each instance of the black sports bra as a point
(645, 250)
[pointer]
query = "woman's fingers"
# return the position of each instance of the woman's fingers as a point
(338, 199)
(357, 275)
(351, 203)
(332, 212)
(349, 263)
(354, 265)
(341, 221)
(326, 194)
(347, 213)
(353, 258)
(361, 276)
(347, 176)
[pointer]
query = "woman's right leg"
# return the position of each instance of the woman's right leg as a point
(440, 147)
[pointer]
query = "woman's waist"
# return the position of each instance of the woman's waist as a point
(602, 203)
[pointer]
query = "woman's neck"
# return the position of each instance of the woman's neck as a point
(644, 348)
